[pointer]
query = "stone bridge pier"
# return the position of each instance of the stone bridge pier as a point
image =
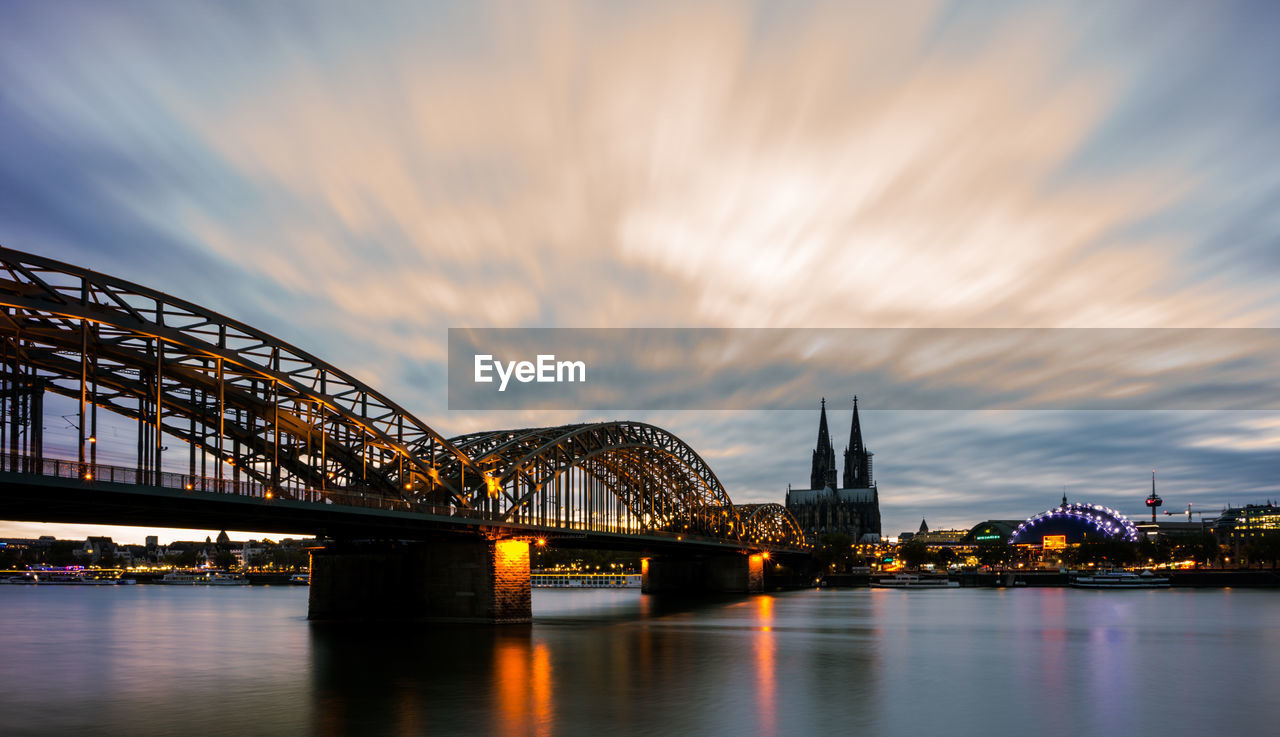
(725, 573)
(477, 580)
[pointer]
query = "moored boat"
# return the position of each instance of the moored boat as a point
(203, 578)
(64, 576)
(578, 580)
(1120, 580)
(912, 581)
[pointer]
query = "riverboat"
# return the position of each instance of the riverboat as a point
(912, 581)
(300, 579)
(203, 578)
(64, 576)
(73, 578)
(575, 580)
(1121, 580)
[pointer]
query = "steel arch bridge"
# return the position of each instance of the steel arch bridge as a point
(260, 417)
(623, 474)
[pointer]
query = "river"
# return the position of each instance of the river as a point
(154, 660)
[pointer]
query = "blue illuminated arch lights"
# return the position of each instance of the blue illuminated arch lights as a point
(1075, 521)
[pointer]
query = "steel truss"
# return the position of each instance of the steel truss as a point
(247, 404)
(255, 410)
(628, 476)
(771, 523)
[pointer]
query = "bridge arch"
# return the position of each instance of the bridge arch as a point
(269, 412)
(771, 523)
(260, 416)
(633, 475)
(654, 481)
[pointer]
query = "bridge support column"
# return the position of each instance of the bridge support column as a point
(480, 580)
(708, 574)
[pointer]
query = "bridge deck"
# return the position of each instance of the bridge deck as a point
(54, 490)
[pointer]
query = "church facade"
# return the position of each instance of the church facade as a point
(850, 508)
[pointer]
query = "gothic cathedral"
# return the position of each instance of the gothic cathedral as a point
(852, 509)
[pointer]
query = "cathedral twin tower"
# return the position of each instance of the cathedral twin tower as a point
(853, 508)
(857, 461)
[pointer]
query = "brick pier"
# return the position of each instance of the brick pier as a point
(462, 580)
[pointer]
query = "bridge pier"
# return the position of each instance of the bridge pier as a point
(702, 574)
(455, 580)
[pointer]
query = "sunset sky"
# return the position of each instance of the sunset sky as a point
(357, 179)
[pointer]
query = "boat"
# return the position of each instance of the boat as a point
(218, 578)
(203, 578)
(183, 578)
(912, 581)
(74, 578)
(577, 580)
(64, 576)
(300, 579)
(1120, 580)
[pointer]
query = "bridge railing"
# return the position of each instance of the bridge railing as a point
(105, 473)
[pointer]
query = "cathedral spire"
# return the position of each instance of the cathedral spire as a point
(857, 461)
(824, 456)
(824, 436)
(855, 429)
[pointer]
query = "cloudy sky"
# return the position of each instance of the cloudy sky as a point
(356, 180)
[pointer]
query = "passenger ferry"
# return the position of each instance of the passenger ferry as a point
(64, 576)
(576, 580)
(912, 581)
(1121, 580)
(203, 578)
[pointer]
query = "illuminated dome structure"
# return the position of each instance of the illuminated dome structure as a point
(1076, 522)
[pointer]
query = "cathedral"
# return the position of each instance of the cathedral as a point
(851, 509)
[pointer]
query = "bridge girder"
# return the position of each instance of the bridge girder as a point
(288, 420)
(246, 398)
(660, 480)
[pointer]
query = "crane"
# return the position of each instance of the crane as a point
(1189, 512)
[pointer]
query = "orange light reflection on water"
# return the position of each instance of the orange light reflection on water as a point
(524, 688)
(766, 675)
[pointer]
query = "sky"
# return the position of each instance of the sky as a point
(357, 180)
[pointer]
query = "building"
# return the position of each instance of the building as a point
(937, 537)
(992, 531)
(1172, 530)
(96, 549)
(1072, 523)
(853, 508)
(1239, 526)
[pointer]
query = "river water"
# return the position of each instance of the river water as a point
(154, 660)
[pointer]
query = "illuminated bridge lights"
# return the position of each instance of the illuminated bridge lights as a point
(259, 415)
(1076, 518)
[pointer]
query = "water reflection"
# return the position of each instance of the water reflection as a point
(153, 661)
(766, 716)
(524, 684)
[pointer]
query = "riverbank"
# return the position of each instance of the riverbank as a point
(1205, 578)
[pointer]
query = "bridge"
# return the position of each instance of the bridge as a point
(228, 427)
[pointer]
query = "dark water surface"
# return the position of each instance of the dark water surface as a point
(153, 660)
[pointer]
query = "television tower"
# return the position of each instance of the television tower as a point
(1153, 501)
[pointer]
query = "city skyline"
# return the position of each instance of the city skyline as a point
(360, 187)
